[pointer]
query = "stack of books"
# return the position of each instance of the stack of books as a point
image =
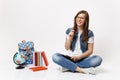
(40, 61)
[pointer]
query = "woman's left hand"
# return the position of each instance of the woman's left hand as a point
(75, 58)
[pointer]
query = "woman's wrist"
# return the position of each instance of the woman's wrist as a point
(80, 57)
(69, 37)
(69, 40)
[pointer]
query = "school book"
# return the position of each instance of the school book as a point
(44, 58)
(38, 68)
(39, 57)
(35, 59)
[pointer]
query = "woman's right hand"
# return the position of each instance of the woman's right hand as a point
(71, 34)
(69, 39)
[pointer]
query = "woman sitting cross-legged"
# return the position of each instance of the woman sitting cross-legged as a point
(79, 44)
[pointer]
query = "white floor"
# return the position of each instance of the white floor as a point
(8, 71)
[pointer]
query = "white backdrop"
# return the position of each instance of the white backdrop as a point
(44, 22)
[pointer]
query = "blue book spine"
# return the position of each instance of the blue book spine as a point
(41, 60)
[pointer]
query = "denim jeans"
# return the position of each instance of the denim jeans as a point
(92, 61)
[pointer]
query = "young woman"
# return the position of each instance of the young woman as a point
(79, 43)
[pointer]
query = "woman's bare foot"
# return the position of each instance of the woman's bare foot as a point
(90, 70)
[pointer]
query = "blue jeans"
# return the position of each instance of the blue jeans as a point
(61, 60)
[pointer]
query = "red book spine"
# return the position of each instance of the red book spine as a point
(35, 58)
(38, 68)
(44, 58)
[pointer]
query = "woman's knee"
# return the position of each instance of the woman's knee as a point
(97, 60)
(56, 57)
